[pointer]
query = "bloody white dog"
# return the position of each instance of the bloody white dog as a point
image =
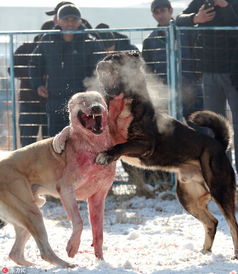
(35, 170)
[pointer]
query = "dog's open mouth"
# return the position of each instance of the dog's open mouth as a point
(92, 122)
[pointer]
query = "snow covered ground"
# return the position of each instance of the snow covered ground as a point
(140, 236)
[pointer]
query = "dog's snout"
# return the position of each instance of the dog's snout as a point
(96, 109)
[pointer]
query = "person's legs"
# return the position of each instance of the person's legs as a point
(28, 134)
(44, 127)
(56, 122)
(232, 98)
(43, 118)
(217, 89)
(28, 123)
(213, 95)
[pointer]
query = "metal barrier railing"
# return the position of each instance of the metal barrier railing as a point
(9, 44)
(174, 50)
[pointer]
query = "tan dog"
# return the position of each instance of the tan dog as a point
(37, 169)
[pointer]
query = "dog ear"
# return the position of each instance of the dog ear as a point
(134, 60)
(105, 71)
(133, 53)
(70, 102)
(103, 66)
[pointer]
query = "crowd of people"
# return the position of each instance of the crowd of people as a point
(60, 63)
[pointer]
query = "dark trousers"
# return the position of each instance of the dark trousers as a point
(31, 117)
(56, 122)
(218, 91)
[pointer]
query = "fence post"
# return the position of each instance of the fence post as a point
(171, 58)
(172, 68)
(13, 96)
(179, 80)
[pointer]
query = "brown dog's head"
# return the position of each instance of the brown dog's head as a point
(121, 72)
(88, 112)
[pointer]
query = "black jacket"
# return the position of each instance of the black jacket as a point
(66, 65)
(155, 56)
(214, 48)
(21, 59)
(21, 71)
(123, 42)
(154, 53)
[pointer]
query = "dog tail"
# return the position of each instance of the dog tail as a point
(218, 124)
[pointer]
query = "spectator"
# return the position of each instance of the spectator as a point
(216, 49)
(84, 22)
(154, 54)
(67, 59)
(154, 47)
(32, 106)
(114, 41)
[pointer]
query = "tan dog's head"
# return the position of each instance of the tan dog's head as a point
(88, 112)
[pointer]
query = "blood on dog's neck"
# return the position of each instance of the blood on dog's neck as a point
(119, 117)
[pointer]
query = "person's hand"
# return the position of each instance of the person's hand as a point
(42, 91)
(204, 15)
(220, 3)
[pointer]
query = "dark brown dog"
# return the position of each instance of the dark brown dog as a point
(157, 141)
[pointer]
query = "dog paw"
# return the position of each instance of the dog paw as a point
(72, 249)
(235, 257)
(99, 256)
(206, 251)
(60, 139)
(72, 265)
(73, 243)
(104, 159)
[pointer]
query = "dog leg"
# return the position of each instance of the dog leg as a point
(22, 211)
(32, 219)
(232, 222)
(228, 210)
(194, 199)
(67, 195)
(131, 148)
(226, 203)
(17, 252)
(60, 139)
(96, 214)
(220, 178)
(36, 227)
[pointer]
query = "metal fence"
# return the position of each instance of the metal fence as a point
(10, 80)
(176, 89)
